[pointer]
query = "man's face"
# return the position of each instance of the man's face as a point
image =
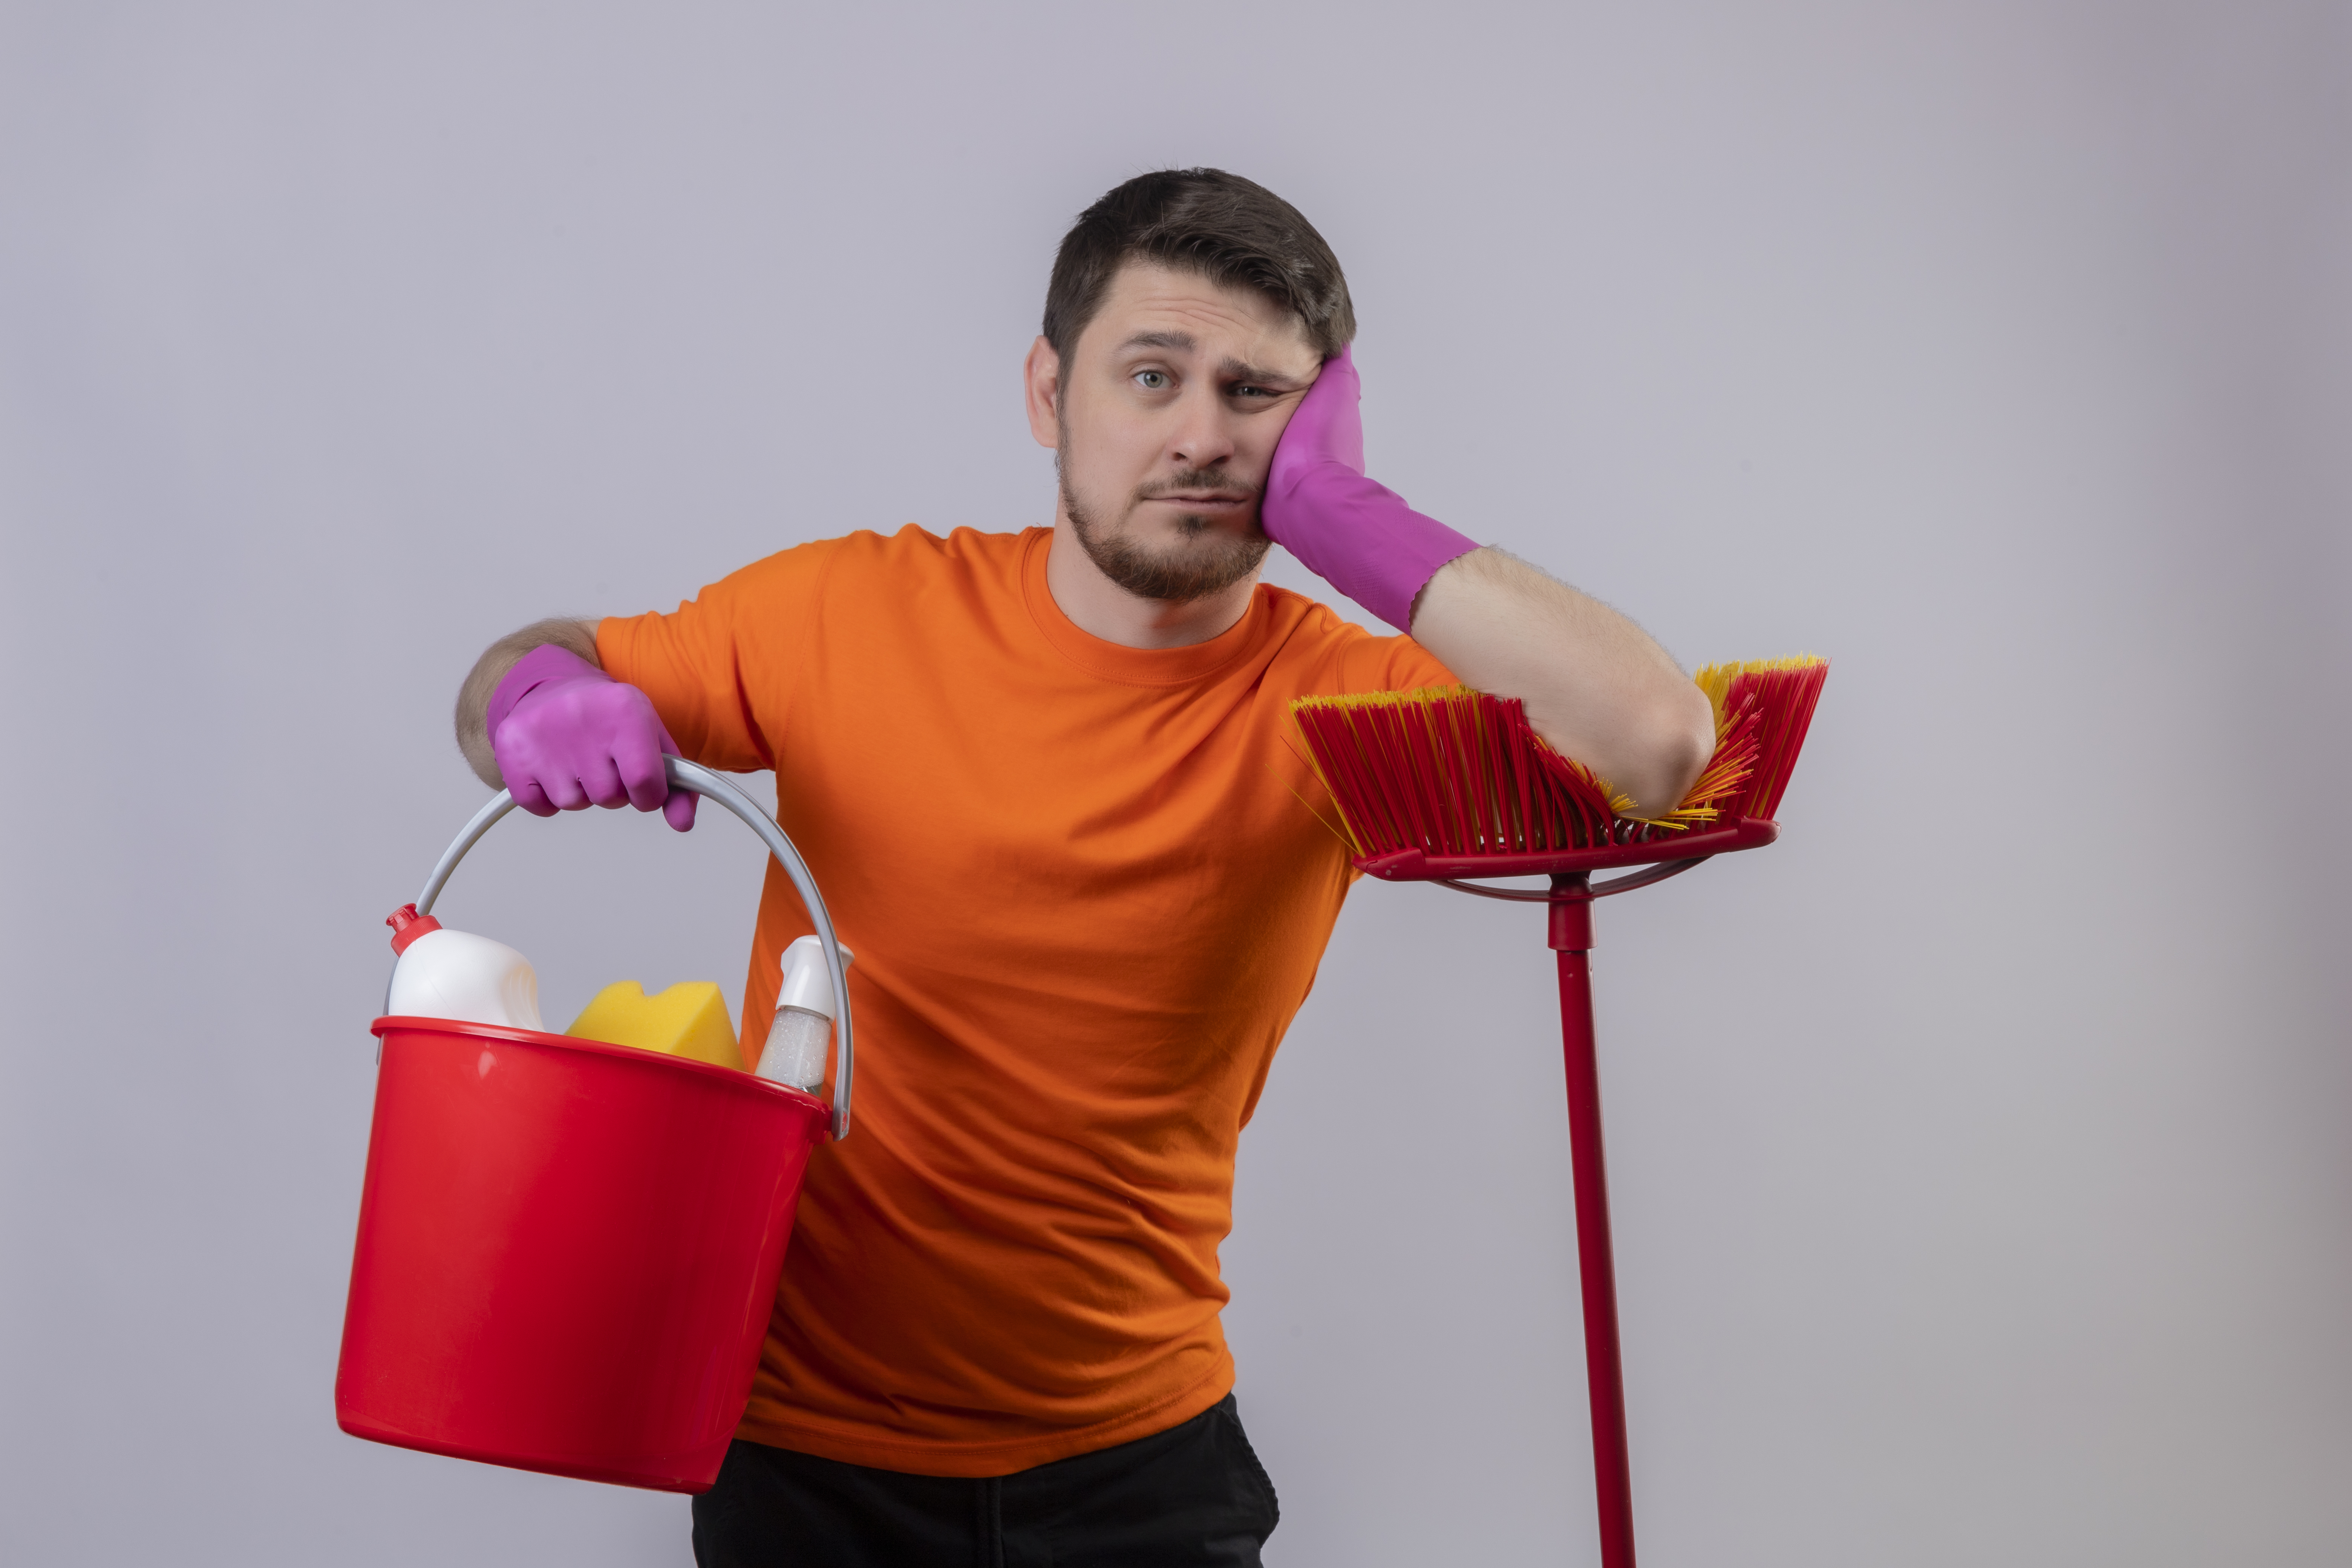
(1163, 426)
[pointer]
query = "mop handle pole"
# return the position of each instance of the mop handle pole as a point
(1571, 938)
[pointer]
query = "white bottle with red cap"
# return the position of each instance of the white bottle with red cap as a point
(445, 973)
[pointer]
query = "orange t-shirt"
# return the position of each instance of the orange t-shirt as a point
(1086, 902)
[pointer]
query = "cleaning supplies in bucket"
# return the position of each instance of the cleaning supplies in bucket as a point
(469, 979)
(567, 1249)
(690, 1019)
(445, 973)
(797, 1040)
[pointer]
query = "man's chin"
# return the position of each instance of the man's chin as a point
(1208, 557)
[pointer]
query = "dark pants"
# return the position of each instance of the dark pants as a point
(1192, 1497)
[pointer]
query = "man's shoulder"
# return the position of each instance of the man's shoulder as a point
(912, 548)
(908, 556)
(916, 545)
(1308, 628)
(1311, 616)
(1320, 650)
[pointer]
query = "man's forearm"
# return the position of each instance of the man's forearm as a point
(1596, 686)
(473, 694)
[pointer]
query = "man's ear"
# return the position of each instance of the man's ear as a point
(1041, 383)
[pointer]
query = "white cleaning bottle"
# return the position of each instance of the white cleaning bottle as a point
(445, 973)
(797, 1040)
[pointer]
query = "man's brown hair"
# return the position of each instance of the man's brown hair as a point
(1232, 231)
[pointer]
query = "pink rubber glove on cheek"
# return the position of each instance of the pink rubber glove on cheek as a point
(1356, 535)
(566, 736)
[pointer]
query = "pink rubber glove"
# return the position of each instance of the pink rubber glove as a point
(1356, 535)
(566, 734)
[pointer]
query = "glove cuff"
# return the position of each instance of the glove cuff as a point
(1360, 536)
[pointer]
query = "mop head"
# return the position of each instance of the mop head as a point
(1449, 771)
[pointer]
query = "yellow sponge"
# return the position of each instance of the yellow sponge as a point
(690, 1019)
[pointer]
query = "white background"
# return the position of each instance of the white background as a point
(1982, 1155)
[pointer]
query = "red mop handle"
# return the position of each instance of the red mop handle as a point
(1604, 1382)
(1571, 898)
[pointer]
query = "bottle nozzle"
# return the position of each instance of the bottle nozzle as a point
(807, 983)
(407, 925)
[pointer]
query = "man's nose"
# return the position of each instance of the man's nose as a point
(1203, 435)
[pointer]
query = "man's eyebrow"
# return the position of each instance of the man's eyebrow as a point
(1234, 370)
(1227, 369)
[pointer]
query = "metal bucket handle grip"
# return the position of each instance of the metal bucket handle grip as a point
(696, 779)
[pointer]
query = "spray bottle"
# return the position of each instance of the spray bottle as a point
(799, 1038)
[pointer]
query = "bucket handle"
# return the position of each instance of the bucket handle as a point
(696, 779)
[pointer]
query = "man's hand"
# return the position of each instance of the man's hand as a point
(1328, 426)
(563, 735)
(1356, 535)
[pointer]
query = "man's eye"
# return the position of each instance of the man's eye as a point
(1151, 379)
(1252, 392)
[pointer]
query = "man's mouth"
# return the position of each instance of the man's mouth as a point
(1204, 498)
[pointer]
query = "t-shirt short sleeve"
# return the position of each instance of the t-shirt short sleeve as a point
(1353, 659)
(721, 668)
(1390, 664)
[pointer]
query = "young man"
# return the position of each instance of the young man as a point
(1041, 780)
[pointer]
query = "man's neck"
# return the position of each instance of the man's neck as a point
(1100, 608)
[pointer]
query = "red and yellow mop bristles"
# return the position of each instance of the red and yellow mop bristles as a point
(1781, 693)
(1452, 772)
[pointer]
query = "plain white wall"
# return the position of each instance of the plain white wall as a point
(1979, 1153)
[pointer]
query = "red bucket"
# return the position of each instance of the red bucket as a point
(568, 1250)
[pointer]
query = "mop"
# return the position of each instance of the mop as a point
(1445, 786)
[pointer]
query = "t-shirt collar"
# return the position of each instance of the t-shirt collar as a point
(1116, 661)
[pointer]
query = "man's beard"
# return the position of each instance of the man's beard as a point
(1207, 562)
